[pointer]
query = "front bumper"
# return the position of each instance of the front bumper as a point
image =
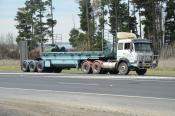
(145, 62)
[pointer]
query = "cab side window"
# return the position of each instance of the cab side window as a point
(120, 46)
(127, 46)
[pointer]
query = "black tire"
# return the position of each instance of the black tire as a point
(96, 68)
(141, 71)
(32, 66)
(40, 66)
(58, 70)
(86, 67)
(25, 66)
(123, 68)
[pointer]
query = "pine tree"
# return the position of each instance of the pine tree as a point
(122, 16)
(153, 20)
(170, 21)
(34, 22)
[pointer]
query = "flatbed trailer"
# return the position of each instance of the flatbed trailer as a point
(56, 61)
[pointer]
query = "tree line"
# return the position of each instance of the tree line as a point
(8, 50)
(35, 21)
(132, 16)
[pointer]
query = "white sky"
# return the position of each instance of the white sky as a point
(64, 12)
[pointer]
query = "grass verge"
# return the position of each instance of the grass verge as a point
(10, 65)
(162, 70)
(10, 68)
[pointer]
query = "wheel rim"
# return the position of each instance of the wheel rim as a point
(86, 67)
(32, 66)
(25, 67)
(123, 68)
(96, 68)
(40, 67)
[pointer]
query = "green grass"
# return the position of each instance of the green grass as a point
(72, 71)
(162, 72)
(10, 68)
(169, 70)
(157, 71)
(9, 65)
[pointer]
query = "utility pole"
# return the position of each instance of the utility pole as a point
(128, 14)
(51, 9)
(116, 13)
(102, 8)
(41, 30)
(73, 20)
(93, 22)
(140, 23)
(88, 30)
(135, 17)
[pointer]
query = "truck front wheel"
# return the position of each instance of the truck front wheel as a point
(86, 67)
(141, 71)
(123, 68)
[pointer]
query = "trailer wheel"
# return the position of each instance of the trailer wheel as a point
(86, 67)
(141, 71)
(32, 66)
(40, 66)
(123, 68)
(96, 68)
(25, 66)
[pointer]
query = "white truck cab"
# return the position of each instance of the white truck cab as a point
(134, 54)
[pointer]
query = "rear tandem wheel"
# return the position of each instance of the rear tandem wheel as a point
(86, 67)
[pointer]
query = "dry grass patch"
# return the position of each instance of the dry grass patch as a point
(9, 65)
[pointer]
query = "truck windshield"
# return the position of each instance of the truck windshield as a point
(142, 47)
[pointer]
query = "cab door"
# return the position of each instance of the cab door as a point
(127, 51)
(120, 48)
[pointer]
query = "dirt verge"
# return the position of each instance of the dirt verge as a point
(33, 108)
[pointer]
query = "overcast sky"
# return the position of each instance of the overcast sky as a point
(66, 13)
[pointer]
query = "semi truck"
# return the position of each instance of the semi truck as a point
(128, 54)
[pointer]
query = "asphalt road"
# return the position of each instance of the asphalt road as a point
(147, 93)
(157, 88)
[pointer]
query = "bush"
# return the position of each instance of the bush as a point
(8, 48)
(168, 51)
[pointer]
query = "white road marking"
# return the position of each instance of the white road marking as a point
(27, 73)
(83, 93)
(77, 84)
(84, 76)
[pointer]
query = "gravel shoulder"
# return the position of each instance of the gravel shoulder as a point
(16, 102)
(34, 108)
